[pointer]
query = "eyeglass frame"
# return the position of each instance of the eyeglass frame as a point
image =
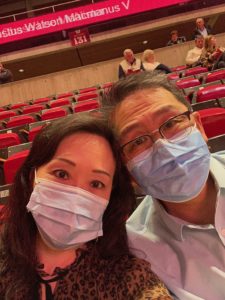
(186, 113)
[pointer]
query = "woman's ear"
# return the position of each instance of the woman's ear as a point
(199, 125)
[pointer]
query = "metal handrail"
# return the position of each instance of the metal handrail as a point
(39, 9)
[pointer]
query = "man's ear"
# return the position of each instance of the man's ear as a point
(199, 125)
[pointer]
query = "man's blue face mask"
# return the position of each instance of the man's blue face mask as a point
(174, 172)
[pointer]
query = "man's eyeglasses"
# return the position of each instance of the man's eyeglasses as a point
(173, 130)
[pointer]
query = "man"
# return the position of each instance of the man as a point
(180, 228)
(130, 64)
(5, 75)
(201, 28)
(193, 55)
(175, 39)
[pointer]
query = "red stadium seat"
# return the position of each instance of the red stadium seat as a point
(195, 70)
(179, 68)
(217, 75)
(7, 114)
(87, 90)
(87, 96)
(33, 132)
(18, 105)
(210, 92)
(173, 76)
(42, 100)
(9, 139)
(63, 95)
(59, 102)
(86, 105)
(33, 108)
(53, 113)
(187, 82)
(213, 120)
(2, 109)
(12, 165)
(20, 120)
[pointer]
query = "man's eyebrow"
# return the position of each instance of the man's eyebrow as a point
(102, 172)
(135, 124)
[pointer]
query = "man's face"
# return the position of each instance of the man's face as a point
(174, 37)
(199, 42)
(200, 24)
(129, 56)
(144, 111)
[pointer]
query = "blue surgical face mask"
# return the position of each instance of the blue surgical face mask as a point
(174, 172)
(66, 216)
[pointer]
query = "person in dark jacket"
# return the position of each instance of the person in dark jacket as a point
(5, 75)
(201, 28)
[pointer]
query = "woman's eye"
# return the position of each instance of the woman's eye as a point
(61, 174)
(97, 184)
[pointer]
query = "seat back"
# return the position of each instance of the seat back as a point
(187, 83)
(9, 139)
(87, 96)
(195, 70)
(210, 92)
(42, 100)
(86, 105)
(20, 120)
(7, 114)
(13, 164)
(88, 90)
(217, 75)
(18, 105)
(53, 113)
(63, 95)
(213, 120)
(59, 102)
(33, 108)
(33, 132)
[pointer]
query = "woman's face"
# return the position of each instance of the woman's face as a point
(82, 160)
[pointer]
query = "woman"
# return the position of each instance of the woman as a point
(213, 56)
(149, 63)
(64, 233)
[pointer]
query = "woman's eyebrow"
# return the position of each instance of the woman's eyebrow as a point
(101, 172)
(68, 161)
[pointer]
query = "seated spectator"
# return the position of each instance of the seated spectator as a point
(201, 28)
(175, 39)
(193, 55)
(212, 56)
(63, 231)
(5, 75)
(149, 63)
(130, 64)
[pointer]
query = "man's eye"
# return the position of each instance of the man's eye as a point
(140, 140)
(61, 174)
(97, 184)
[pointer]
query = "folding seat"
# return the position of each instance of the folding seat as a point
(53, 113)
(173, 76)
(2, 109)
(217, 143)
(7, 114)
(20, 120)
(12, 165)
(187, 83)
(86, 105)
(87, 96)
(33, 132)
(33, 108)
(210, 92)
(205, 104)
(179, 68)
(106, 85)
(195, 70)
(89, 89)
(217, 75)
(63, 95)
(9, 139)
(59, 102)
(42, 100)
(213, 120)
(18, 105)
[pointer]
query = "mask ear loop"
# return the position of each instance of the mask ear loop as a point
(35, 177)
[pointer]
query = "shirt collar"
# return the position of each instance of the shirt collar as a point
(176, 225)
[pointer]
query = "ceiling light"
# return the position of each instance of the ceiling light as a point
(145, 42)
(21, 70)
